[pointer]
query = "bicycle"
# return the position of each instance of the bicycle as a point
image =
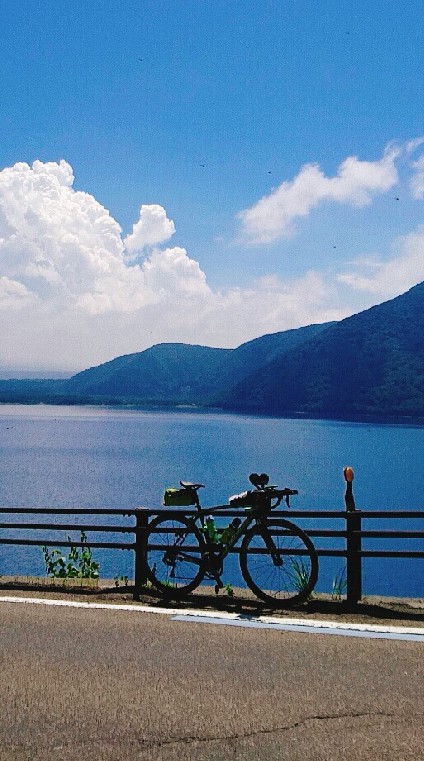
(277, 559)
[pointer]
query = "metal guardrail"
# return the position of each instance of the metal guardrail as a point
(351, 535)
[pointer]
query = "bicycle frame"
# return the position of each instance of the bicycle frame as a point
(220, 551)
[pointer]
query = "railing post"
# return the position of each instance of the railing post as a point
(353, 544)
(140, 560)
(353, 562)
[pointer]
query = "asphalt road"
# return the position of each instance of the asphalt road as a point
(120, 686)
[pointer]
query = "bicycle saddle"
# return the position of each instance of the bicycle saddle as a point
(188, 485)
(259, 480)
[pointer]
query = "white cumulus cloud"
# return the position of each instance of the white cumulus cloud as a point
(57, 242)
(64, 267)
(153, 227)
(62, 247)
(355, 183)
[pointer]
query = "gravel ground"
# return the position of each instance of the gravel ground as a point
(371, 610)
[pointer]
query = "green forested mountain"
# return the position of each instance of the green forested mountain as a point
(368, 364)
(371, 363)
(182, 373)
(166, 373)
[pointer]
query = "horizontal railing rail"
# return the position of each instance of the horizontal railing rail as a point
(351, 533)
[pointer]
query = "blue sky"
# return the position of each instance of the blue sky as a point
(204, 172)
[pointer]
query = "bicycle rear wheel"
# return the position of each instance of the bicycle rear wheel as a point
(174, 555)
(279, 563)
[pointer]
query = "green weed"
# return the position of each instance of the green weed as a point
(301, 574)
(339, 585)
(118, 579)
(77, 564)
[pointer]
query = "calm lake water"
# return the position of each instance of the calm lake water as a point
(54, 456)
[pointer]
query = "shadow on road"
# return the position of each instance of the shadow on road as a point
(369, 610)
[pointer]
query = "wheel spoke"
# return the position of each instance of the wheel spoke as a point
(174, 555)
(279, 563)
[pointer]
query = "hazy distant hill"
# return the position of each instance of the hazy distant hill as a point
(371, 363)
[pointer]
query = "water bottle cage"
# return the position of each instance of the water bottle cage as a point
(210, 531)
(228, 534)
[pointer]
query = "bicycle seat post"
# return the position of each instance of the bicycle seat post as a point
(193, 489)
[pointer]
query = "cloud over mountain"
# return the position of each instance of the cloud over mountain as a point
(71, 286)
(385, 278)
(75, 291)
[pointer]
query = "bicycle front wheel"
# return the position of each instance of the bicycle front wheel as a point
(279, 563)
(174, 555)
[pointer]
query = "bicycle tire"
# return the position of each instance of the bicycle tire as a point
(286, 584)
(168, 563)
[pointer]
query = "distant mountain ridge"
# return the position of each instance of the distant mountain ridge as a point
(165, 372)
(183, 373)
(369, 364)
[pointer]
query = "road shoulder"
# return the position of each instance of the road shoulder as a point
(374, 611)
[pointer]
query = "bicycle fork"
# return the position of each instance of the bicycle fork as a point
(272, 549)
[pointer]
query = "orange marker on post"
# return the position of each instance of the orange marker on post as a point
(349, 500)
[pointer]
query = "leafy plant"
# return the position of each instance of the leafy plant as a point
(339, 585)
(77, 564)
(301, 574)
(118, 579)
(228, 588)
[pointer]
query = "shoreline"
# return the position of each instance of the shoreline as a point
(364, 418)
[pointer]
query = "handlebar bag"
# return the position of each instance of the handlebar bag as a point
(240, 500)
(248, 499)
(178, 497)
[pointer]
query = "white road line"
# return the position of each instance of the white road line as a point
(306, 628)
(94, 605)
(235, 619)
